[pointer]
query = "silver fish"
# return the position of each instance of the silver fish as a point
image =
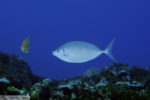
(80, 51)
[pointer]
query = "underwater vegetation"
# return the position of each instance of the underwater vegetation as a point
(115, 82)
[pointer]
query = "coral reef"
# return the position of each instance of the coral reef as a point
(17, 71)
(115, 82)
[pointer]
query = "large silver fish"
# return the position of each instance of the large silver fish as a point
(80, 51)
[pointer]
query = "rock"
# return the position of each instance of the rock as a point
(35, 95)
(116, 80)
(75, 82)
(136, 85)
(16, 69)
(67, 86)
(116, 67)
(15, 91)
(132, 85)
(123, 75)
(4, 83)
(148, 68)
(73, 96)
(123, 83)
(36, 86)
(57, 93)
(103, 82)
(147, 84)
(91, 72)
(111, 78)
(67, 90)
(123, 72)
(41, 90)
(46, 81)
(4, 80)
(113, 81)
(100, 84)
(139, 74)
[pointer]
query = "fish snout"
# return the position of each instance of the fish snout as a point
(54, 53)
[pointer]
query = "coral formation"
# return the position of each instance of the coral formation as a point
(17, 71)
(115, 82)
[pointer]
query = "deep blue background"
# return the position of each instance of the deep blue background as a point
(50, 23)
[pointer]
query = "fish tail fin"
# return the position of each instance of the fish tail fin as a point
(108, 50)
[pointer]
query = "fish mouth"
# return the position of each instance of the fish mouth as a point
(53, 53)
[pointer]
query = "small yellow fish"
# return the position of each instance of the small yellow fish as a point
(25, 45)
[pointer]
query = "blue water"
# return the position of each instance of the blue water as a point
(50, 23)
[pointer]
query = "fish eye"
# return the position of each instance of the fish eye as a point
(57, 50)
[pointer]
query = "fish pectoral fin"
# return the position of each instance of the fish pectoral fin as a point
(26, 51)
(64, 53)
